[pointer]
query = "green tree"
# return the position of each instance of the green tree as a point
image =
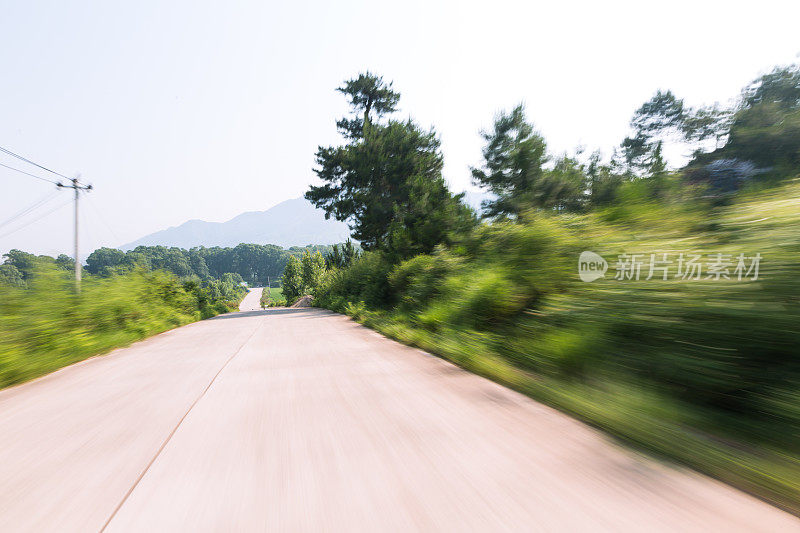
(514, 155)
(10, 275)
(386, 177)
(104, 261)
(24, 262)
(292, 280)
(65, 262)
(781, 87)
(562, 188)
(313, 267)
(341, 255)
(366, 93)
(662, 114)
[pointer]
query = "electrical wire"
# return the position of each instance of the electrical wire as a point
(30, 208)
(101, 217)
(31, 175)
(35, 219)
(9, 152)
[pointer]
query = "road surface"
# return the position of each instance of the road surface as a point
(301, 420)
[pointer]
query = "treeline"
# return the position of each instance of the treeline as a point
(254, 263)
(702, 369)
(305, 274)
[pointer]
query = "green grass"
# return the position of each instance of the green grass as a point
(273, 298)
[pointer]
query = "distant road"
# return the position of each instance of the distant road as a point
(301, 420)
(252, 301)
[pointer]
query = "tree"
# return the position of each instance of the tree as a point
(292, 280)
(65, 262)
(10, 275)
(652, 122)
(366, 94)
(665, 116)
(334, 258)
(709, 122)
(23, 262)
(514, 156)
(766, 127)
(603, 180)
(313, 267)
(781, 87)
(104, 261)
(386, 176)
(767, 134)
(561, 188)
(341, 255)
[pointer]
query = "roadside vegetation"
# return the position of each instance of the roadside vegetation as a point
(255, 263)
(302, 276)
(45, 324)
(272, 297)
(702, 369)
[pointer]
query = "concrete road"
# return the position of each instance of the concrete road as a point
(252, 300)
(301, 420)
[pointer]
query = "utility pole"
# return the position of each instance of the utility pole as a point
(77, 187)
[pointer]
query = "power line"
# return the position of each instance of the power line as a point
(30, 208)
(35, 220)
(101, 217)
(74, 184)
(9, 152)
(31, 175)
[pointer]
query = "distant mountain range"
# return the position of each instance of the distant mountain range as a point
(291, 223)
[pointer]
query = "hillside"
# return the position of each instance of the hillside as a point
(291, 223)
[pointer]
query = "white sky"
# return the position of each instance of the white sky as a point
(196, 109)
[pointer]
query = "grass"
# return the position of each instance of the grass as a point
(273, 297)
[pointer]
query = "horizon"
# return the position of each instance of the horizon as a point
(190, 112)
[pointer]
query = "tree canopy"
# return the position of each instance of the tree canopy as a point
(386, 182)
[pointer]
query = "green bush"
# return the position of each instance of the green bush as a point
(366, 280)
(48, 325)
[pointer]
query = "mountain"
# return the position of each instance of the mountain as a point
(291, 223)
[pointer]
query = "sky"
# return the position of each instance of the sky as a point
(203, 110)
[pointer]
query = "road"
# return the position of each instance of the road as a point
(302, 420)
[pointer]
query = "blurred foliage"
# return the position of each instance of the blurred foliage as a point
(703, 371)
(712, 365)
(45, 324)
